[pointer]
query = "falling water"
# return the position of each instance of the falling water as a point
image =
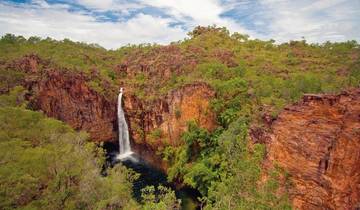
(124, 142)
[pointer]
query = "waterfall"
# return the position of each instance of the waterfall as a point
(124, 142)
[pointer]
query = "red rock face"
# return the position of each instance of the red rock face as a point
(65, 96)
(317, 141)
(28, 64)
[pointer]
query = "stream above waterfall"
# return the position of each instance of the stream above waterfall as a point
(149, 175)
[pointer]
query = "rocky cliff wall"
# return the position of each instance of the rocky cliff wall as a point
(67, 97)
(317, 141)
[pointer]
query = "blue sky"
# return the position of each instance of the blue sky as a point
(114, 23)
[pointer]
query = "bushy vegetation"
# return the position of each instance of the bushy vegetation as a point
(159, 198)
(273, 73)
(239, 185)
(47, 165)
(66, 53)
(226, 169)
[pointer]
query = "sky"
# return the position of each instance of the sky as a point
(115, 23)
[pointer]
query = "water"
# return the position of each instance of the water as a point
(124, 142)
(151, 176)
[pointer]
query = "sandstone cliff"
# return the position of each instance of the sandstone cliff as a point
(317, 141)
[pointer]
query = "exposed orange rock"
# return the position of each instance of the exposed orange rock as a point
(169, 115)
(317, 141)
(28, 64)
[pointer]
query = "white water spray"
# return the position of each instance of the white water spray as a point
(124, 142)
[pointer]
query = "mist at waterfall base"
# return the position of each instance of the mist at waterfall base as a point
(149, 175)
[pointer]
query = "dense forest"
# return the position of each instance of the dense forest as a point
(46, 164)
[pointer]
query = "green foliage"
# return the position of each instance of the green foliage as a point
(227, 116)
(354, 77)
(200, 30)
(155, 136)
(232, 64)
(197, 149)
(64, 55)
(9, 79)
(178, 163)
(196, 137)
(177, 113)
(225, 169)
(46, 165)
(16, 97)
(240, 174)
(159, 198)
(200, 177)
(167, 154)
(96, 86)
